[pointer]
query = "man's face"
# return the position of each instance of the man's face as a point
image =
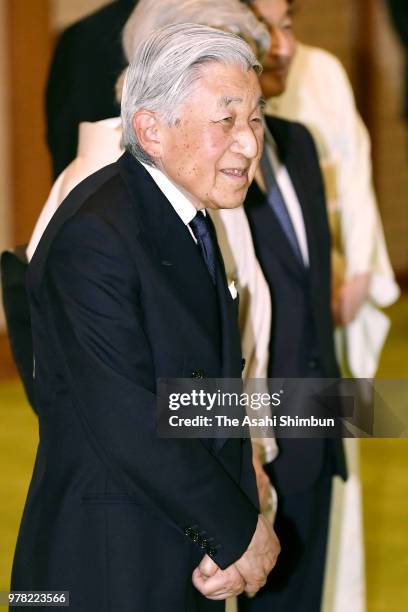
(276, 15)
(212, 151)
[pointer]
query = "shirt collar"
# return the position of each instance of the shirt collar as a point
(181, 204)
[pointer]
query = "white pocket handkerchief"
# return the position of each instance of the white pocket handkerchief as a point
(233, 290)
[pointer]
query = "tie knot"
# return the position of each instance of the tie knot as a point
(199, 225)
(201, 228)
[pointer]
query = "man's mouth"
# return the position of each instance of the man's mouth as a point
(236, 173)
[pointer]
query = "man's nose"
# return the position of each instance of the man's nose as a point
(279, 42)
(246, 142)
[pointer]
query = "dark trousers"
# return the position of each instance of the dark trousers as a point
(295, 584)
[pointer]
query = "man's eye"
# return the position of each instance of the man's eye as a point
(225, 120)
(287, 27)
(256, 120)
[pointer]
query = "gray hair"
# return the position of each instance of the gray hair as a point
(165, 67)
(230, 15)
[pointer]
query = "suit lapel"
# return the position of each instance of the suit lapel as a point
(271, 232)
(291, 156)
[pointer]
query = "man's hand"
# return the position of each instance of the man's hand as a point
(260, 557)
(215, 583)
(349, 299)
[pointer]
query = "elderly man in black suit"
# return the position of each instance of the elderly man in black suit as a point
(127, 286)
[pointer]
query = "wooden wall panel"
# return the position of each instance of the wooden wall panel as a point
(28, 56)
(30, 49)
(5, 194)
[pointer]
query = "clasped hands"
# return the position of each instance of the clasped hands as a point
(247, 574)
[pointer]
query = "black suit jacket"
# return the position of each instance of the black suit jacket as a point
(301, 343)
(120, 296)
(87, 61)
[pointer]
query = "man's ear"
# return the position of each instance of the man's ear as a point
(147, 129)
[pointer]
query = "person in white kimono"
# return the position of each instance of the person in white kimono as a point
(313, 89)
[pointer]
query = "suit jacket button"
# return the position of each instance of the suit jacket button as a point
(197, 374)
(243, 363)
